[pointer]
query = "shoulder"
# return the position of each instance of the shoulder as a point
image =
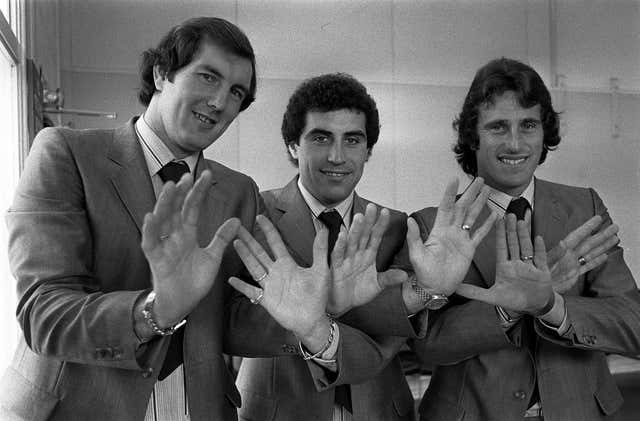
(396, 217)
(228, 176)
(569, 196)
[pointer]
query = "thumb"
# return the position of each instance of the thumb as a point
(392, 277)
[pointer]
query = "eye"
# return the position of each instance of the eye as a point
(530, 126)
(239, 94)
(353, 140)
(320, 138)
(208, 77)
(497, 128)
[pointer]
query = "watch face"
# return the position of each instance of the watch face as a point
(436, 302)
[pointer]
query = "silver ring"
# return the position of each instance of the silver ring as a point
(525, 258)
(264, 275)
(582, 260)
(164, 237)
(465, 227)
(258, 298)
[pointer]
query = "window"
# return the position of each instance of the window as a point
(11, 117)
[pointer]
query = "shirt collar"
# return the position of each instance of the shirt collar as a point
(498, 201)
(156, 153)
(343, 208)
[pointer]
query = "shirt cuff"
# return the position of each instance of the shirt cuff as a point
(328, 357)
(564, 325)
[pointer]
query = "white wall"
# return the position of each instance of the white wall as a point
(417, 58)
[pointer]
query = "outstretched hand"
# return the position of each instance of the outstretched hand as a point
(579, 252)
(442, 261)
(354, 278)
(523, 280)
(294, 296)
(182, 272)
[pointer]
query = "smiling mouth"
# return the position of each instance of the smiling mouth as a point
(335, 174)
(512, 161)
(204, 118)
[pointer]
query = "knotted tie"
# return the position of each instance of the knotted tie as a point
(173, 171)
(518, 206)
(333, 221)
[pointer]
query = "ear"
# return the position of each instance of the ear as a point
(293, 150)
(158, 78)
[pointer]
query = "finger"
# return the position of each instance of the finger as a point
(249, 291)
(477, 205)
(524, 238)
(338, 253)
(512, 236)
(466, 200)
(378, 231)
(482, 231)
(502, 252)
(592, 264)
(150, 233)
(370, 218)
(355, 232)
(392, 277)
(194, 198)
(252, 264)
(414, 241)
(581, 233)
(474, 292)
(447, 204)
(222, 238)
(255, 248)
(540, 253)
(599, 243)
(273, 237)
(320, 249)
(554, 256)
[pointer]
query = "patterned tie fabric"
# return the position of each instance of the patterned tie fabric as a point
(173, 171)
(333, 221)
(518, 206)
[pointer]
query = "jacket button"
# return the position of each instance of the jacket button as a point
(519, 394)
(147, 373)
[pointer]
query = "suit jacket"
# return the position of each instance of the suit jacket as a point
(484, 373)
(289, 388)
(74, 248)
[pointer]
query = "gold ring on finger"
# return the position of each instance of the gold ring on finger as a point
(465, 227)
(261, 278)
(582, 261)
(526, 258)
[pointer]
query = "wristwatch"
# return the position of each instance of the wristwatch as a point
(429, 301)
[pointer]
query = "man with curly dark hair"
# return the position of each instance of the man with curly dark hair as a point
(329, 128)
(526, 335)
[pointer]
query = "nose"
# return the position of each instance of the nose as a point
(513, 142)
(218, 99)
(336, 154)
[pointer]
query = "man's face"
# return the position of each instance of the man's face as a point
(331, 154)
(204, 97)
(510, 143)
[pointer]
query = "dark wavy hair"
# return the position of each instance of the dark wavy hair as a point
(329, 92)
(178, 47)
(491, 81)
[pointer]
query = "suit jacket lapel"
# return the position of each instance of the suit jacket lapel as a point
(485, 257)
(550, 220)
(296, 225)
(213, 209)
(130, 175)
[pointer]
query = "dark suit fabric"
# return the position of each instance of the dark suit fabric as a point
(75, 251)
(289, 388)
(481, 371)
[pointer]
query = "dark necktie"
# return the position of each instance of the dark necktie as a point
(333, 221)
(173, 171)
(518, 206)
